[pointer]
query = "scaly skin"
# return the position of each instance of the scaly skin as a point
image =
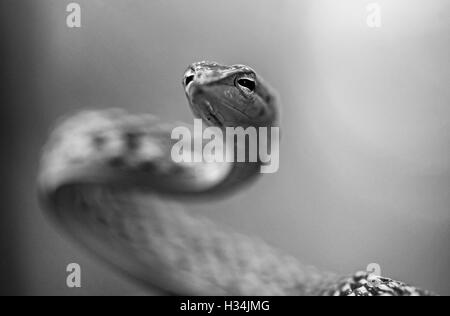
(108, 180)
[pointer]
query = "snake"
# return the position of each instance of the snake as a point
(107, 179)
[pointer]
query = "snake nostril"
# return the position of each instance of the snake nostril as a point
(132, 140)
(117, 162)
(99, 141)
(188, 80)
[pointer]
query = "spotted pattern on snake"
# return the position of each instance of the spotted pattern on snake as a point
(107, 180)
(366, 284)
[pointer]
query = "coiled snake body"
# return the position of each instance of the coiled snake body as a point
(108, 180)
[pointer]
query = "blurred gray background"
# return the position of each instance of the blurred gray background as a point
(365, 161)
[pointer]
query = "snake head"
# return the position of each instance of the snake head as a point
(229, 96)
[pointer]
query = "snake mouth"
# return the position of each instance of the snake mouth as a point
(212, 118)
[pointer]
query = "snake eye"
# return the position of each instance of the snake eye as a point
(247, 84)
(188, 80)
